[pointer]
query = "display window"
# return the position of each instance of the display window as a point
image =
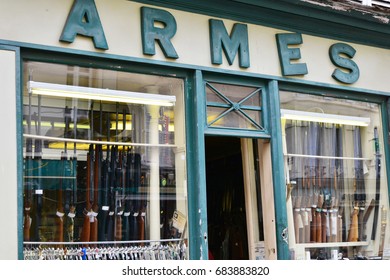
(104, 164)
(337, 194)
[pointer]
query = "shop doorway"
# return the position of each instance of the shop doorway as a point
(239, 187)
(227, 228)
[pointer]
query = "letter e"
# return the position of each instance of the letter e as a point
(287, 54)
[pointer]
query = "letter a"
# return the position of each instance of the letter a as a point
(83, 19)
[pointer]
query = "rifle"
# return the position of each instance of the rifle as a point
(129, 181)
(38, 159)
(360, 193)
(64, 158)
(312, 181)
(119, 187)
(342, 235)
(136, 164)
(105, 191)
(86, 231)
(96, 187)
(69, 222)
(112, 179)
(28, 183)
(377, 183)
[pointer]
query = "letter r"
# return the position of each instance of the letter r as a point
(151, 33)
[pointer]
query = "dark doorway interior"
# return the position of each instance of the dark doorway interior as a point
(225, 199)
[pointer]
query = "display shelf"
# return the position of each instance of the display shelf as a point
(332, 244)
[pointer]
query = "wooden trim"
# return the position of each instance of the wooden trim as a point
(267, 198)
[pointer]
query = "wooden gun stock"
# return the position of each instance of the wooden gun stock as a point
(141, 225)
(118, 227)
(353, 234)
(27, 222)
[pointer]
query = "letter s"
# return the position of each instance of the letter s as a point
(352, 74)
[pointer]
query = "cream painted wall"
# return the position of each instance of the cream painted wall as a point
(8, 159)
(25, 20)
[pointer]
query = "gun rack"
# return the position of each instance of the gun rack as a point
(332, 189)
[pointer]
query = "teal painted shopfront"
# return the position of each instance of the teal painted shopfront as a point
(194, 130)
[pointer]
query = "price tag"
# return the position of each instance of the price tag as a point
(179, 221)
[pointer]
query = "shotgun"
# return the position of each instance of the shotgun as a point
(119, 189)
(96, 187)
(64, 168)
(377, 183)
(86, 231)
(112, 179)
(104, 211)
(135, 189)
(128, 183)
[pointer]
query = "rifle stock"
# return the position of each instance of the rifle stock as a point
(28, 193)
(353, 234)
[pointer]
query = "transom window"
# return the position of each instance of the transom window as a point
(233, 106)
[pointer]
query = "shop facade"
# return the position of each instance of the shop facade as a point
(207, 131)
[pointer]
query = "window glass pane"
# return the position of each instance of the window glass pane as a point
(232, 119)
(103, 146)
(333, 151)
(233, 92)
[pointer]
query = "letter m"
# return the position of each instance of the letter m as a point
(238, 41)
